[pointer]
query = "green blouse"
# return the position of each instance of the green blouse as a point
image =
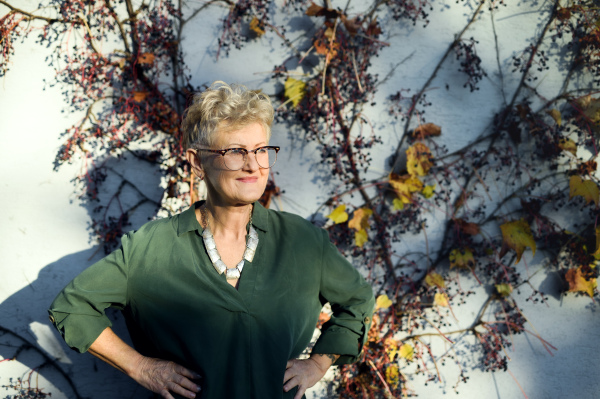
(177, 307)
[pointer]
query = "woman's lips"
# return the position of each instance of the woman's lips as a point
(248, 179)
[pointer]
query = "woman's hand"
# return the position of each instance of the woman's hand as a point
(306, 373)
(163, 377)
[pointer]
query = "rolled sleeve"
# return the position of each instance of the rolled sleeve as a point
(78, 312)
(352, 304)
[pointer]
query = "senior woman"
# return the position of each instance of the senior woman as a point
(221, 299)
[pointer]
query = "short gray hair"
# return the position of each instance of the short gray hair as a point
(224, 107)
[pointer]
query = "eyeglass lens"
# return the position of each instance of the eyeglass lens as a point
(265, 157)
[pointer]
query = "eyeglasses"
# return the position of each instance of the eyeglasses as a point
(235, 158)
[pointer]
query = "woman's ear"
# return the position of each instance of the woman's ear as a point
(196, 164)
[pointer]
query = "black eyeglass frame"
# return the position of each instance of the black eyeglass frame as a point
(245, 152)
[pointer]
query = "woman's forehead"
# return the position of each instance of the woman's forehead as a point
(250, 135)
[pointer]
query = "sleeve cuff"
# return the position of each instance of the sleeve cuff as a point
(339, 342)
(79, 331)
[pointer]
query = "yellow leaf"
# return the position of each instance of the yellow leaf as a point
(578, 283)
(405, 186)
(360, 219)
(591, 108)
(568, 145)
(339, 214)
(462, 258)
(418, 160)
(435, 279)
(504, 289)
(517, 235)
(257, 27)
(407, 352)
(146, 58)
(383, 302)
(398, 204)
(441, 299)
(140, 96)
(585, 188)
(428, 191)
(294, 90)
(555, 114)
(392, 376)
(391, 348)
(597, 252)
(361, 237)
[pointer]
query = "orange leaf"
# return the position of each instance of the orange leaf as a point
(140, 96)
(585, 188)
(418, 160)
(578, 283)
(360, 219)
(257, 27)
(323, 318)
(405, 186)
(517, 235)
(462, 258)
(146, 58)
(587, 168)
(434, 279)
(427, 130)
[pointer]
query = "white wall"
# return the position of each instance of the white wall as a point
(45, 236)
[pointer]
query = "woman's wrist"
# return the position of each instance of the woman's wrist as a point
(324, 360)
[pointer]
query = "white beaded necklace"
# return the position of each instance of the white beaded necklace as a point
(213, 254)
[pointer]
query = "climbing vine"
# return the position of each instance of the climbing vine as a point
(521, 197)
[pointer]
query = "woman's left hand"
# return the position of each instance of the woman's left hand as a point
(306, 373)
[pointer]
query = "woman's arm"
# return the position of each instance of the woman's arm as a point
(306, 373)
(159, 376)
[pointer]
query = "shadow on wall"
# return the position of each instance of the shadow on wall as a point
(25, 330)
(24, 313)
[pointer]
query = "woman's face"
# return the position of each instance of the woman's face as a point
(236, 187)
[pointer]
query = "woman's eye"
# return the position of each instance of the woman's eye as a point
(236, 151)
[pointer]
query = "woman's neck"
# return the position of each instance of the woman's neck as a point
(227, 221)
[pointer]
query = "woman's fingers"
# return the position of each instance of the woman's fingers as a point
(163, 377)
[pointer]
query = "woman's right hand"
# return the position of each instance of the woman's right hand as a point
(164, 377)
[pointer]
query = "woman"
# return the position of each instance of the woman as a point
(221, 299)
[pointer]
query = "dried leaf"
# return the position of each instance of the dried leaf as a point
(373, 334)
(427, 130)
(462, 258)
(434, 279)
(323, 318)
(373, 29)
(587, 168)
(407, 352)
(140, 96)
(405, 186)
(257, 27)
(504, 289)
(568, 145)
(441, 299)
(516, 235)
(361, 237)
(588, 189)
(555, 114)
(383, 302)
(294, 90)
(428, 191)
(339, 214)
(318, 11)
(360, 219)
(467, 227)
(392, 376)
(578, 283)
(352, 25)
(419, 159)
(146, 58)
